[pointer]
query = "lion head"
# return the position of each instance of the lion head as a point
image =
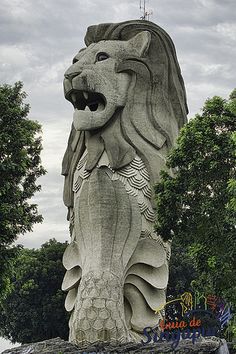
(129, 97)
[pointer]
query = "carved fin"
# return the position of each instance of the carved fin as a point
(70, 299)
(157, 277)
(148, 252)
(71, 257)
(154, 297)
(142, 315)
(71, 278)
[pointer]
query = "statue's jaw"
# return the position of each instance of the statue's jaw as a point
(91, 109)
(87, 101)
(87, 120)
(96, 97)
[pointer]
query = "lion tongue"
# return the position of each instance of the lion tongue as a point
(100, 107)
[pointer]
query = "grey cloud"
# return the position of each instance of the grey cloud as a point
(39, 38)
(196, 13)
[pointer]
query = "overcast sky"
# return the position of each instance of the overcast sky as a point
(38, 39)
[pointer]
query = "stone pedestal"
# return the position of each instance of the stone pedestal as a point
(58, 346)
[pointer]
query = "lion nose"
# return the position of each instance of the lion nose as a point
(71, 75)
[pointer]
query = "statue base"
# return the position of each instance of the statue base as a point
(59, 346)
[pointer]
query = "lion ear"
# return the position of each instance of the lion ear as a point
(140, 42)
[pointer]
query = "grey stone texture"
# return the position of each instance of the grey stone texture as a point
(59, 346)
(129, 104)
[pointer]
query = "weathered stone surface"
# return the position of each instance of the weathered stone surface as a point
(58, 346)
(51, 346)
(129, 99)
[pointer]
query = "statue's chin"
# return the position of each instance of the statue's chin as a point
(89, 120)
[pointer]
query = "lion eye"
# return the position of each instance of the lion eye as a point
(74, 60)
(102, 56)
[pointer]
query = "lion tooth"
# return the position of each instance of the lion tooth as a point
(87, 108)
(85, 95)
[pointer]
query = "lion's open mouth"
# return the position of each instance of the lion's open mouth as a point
(84, 101)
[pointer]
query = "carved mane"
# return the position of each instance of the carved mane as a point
(157, 88)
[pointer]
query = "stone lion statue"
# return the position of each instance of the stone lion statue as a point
(129, 104)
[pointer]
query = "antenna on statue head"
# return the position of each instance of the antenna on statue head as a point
(145, 13)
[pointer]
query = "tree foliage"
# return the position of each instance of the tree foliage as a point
(197, 204)
(181, 269)
(20, 166)
(34, 308)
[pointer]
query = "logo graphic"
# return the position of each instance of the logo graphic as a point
(188, 317)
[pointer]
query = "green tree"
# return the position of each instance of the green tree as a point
(197, 204)
(34, 308)
(20, 166)
(182, 270)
